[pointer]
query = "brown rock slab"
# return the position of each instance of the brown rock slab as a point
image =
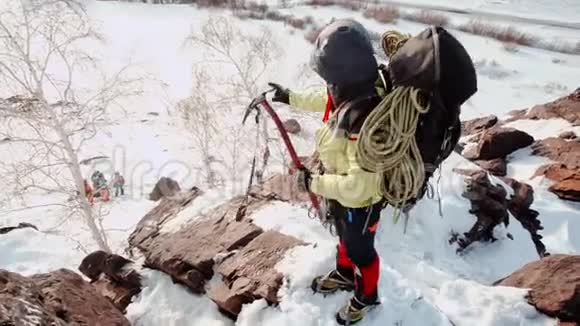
(566, 180)
(165, 187)
(567, 107)
(251, 274)
(563, 151)
(477, 125)
(497, 167)
(554, 284)
(58, 298)
(568, 189)
(221, 240)
(292, 126)
(22, 302)
(499, 142)
(188, 255)
(149, 226)
(113, 276)
(567, 135)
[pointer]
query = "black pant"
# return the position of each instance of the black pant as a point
(356, 257)
(355, 230)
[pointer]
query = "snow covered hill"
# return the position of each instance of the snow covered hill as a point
(423, 281)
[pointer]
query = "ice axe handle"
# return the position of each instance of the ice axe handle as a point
(293, 155)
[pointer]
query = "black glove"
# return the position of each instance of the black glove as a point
(281, 95)
(303, 179)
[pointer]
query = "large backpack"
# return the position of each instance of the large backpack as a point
(438, 64)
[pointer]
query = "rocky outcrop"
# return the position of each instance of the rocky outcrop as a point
(113, 276)
(498, 142)
(497, 167)
(490, 205)
(251, 272)
(222, 241)
(559, 150)
(58, 298)
(167, 209)
(165, 187)
(565, 173)
(567, 108)
(568, 135)
(7, 229)
(478, 125)
(292, 126)
(554, 284)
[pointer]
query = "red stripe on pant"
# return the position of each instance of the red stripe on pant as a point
(369, 278)
(343, 260)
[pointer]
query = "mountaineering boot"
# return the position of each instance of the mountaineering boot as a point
(332, 282)
(355, 310)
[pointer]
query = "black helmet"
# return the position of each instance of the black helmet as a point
(344, 54)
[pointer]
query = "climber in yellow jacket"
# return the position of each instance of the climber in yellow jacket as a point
(344, 58)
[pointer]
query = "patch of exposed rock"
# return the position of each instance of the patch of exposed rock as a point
(23, 225)
(242, 254)
(165, 187)
(58, 298)
(113, 276)
(554, 284)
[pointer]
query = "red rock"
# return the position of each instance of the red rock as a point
(70, 296)
(242, 253)
(497, 167)
(165, 187)
(498, 142)
(477, 125)
(554, 284)
(188, 254)
(559, 150)
(557, 172)
(567, 189)
(292, 126)
(567, 135)
(566, 180)
(567, 107)
(516, 115)
(57, 298)
(21, 301)
(113, 276)
(167, 209)
(251, 274)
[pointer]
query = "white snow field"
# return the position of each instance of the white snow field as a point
(423, 280)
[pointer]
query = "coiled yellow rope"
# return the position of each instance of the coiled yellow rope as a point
(386, 142)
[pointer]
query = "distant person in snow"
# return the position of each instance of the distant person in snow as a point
(119, 184)
(344, 58)
(100, 186)
(96, 179)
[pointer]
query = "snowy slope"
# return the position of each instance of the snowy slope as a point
(424, 282)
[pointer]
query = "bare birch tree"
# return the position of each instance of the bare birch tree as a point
(237, 60)
(46, 59)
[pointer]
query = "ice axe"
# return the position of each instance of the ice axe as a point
(262, 101)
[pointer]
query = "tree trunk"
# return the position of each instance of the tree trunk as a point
(75, 170)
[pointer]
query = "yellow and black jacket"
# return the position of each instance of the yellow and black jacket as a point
(343, 179)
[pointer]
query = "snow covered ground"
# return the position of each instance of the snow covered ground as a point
(423, 282)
